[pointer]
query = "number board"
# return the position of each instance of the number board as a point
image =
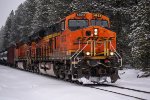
(97, 15)
(81, 14)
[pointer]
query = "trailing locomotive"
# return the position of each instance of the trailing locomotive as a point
(80, 45)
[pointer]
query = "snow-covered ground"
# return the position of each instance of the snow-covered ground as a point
(20, 85)
(129, 79)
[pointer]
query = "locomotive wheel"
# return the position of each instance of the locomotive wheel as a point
(69, 77)
(56, 70)
(114, 77)
(37, 69)
(61, 74)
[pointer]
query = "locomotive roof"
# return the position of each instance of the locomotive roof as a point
(87, 15)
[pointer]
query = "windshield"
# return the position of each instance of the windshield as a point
(102, 23)
(77, 24)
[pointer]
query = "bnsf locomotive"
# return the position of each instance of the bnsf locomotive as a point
(80, 45)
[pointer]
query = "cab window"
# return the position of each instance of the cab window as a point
(75, 24)
(102, 23)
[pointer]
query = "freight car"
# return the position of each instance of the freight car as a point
(80, 45)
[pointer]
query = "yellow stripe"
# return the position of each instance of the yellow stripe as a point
(97, 57)
(51, 36)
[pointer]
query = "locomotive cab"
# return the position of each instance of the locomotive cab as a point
(90, 27)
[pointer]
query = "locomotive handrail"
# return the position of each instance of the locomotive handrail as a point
(80, 52)
(117, 54)
(76, 51)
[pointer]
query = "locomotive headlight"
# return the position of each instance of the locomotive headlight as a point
(87, 53)
(111, 53)
(95, 31)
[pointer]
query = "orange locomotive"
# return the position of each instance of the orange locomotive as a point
(80, 45)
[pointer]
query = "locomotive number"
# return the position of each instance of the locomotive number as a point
(97, 15)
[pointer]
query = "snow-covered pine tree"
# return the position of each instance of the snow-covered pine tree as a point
(12, 38)
(140, 35)
(19, 22)
(29, 12)
(60, 9)
(48, 12)
(1, 37)
(44, 14)
(8, 30)
(84, 6)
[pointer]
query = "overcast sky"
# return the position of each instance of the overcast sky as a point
(5, 8)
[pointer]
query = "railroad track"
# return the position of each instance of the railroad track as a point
(110, 85)
(125, 91)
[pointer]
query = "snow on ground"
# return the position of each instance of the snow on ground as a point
(20, 85)
(129, 79)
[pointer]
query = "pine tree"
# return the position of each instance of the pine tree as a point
(1, 37)
(19, 22)
(29, 12)
(140, 35)
(44, 14)
(60, 9)
(12, 16)
(8, 30)
(84, 6)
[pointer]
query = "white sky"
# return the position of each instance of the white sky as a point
(5, 8)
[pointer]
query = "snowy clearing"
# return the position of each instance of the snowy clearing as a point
(20, 85)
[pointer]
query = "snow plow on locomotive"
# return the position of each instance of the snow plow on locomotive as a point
(80, 45)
